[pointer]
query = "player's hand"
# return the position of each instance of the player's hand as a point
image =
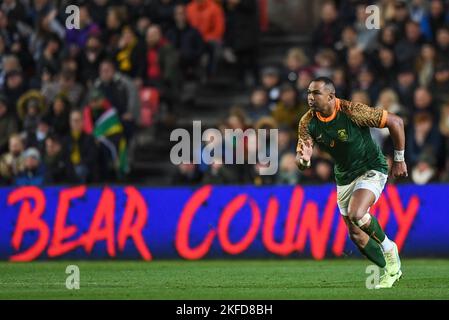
(399, 169)
(306, 151)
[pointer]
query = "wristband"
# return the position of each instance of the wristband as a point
(304, 163)
(399, 156)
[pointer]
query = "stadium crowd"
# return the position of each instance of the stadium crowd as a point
(71, 100)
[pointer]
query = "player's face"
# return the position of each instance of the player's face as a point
(318, 96)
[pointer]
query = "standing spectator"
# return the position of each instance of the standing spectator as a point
(128, 54)
(81, 149)
(208, 17)
(328, 31)
(58, 169)
(77, 38)
(187, 40)
(33, 173)
(89, 60)
(242, 36)
(161, 61)
(114, 23)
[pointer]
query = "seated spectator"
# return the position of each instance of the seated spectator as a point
(286, 141)
(323, 171)
(425, 170)
(340, 83)
(324, 63)
(348, 40)
(423, 136)
(423, 100)
(294, 62)
(208, 18)
(64, 83)
(426, 63)
(258, 105)
(37, 139)
(405, 86)
(302, 85)
(270, 82)
(366, 81)
(30, 108)
(408, 48)
(437, 17)
(355, 61)
(288, 170)
(442, 44)
(11, 163)
(187, 40)
(440, 83)
(33, 173)
(386, 67)
(289, 110)
(81, 149)
(59, 169)
(8, 124)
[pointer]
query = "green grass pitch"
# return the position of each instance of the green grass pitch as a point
(220, 279)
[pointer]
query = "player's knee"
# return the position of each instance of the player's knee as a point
(358, 216)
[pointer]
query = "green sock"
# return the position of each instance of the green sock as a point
(374, 253)
(374, 230)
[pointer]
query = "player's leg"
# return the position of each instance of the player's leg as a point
(368, 247)
(361, 200)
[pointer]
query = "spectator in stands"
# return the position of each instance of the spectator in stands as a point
(442, 43)
(77, 38)
(242, 36)
(114, 23)
(57, 164)
(340, 83)
(423, 100)
(8, 124)
(187, 40)
(388, 37)
(295, 61)
(348, 40)
(286, 143)
(328, 30)
(426, 63)
(386, 67)
(423, 136)
(11, 163)
(15, 87)
(366, 81)
(400, 17)
(161, 65)
(325, 61)
(31, 107)
(355, 61)
(425, 170)
(163, 12)
(58, 115)
(288, 170)
(81, 149)
(65, 83)
(302, 85)
(288, 110)
(270, 82)
(89, 60)
(323, 171)
(408, 48)
(405, 85)
(219, 173)
(33, 173)
(437, 17)
(366, 38)
(440, 84)
(208, 17)
(50, 58)
(258, 106)
(128, 53)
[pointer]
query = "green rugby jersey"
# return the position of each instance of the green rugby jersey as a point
(345, 135)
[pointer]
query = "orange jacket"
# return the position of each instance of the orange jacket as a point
(208, 18)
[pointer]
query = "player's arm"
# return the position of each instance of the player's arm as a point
(396, 127)
(304, 148)
(364, 115)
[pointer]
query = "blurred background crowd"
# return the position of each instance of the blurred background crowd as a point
(97, 104)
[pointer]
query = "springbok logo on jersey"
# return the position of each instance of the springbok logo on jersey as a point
(342, 135)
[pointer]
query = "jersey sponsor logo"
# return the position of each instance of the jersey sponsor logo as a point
(342, 135)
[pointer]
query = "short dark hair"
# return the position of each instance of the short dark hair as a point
(327, 82)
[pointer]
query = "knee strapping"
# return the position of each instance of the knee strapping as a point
(363, 220)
